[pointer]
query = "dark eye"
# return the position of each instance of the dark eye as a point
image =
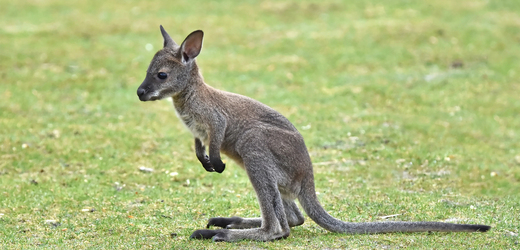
(162, 75)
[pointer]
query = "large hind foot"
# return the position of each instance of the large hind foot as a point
(234, 222)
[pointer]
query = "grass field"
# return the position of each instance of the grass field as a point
(408, 109)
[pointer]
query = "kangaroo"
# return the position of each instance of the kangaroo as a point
(261, 141)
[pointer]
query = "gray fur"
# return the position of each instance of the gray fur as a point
(261, 141)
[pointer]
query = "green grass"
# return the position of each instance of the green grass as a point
(406, 107)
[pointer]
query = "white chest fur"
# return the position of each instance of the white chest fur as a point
(196, 128)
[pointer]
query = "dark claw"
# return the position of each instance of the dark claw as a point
(207, 164)
(203, 234)
(209, 168)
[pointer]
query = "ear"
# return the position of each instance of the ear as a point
(191, 46)
(168, 41)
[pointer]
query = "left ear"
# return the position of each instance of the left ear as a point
(168, 41)
(191, 46)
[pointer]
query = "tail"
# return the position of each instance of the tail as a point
(315, 211)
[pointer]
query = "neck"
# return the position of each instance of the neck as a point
(195, 85)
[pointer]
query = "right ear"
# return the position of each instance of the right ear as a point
(168, 41)
(191, 46)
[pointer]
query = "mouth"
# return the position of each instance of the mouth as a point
(145, 98)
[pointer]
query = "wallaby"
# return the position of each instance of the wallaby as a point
(260, 140)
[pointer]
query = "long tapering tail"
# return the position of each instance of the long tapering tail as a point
(315, 211)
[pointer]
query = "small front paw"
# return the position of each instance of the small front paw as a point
(218, 166)
(208, 168)
(207, 164)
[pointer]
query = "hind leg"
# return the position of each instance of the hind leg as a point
(293, 214)
(274, 223)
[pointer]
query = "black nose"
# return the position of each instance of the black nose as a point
(140, 92)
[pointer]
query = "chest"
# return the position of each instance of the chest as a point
(196, 127)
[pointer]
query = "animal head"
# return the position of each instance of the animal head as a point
(170, 68)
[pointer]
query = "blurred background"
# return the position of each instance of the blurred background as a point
(392, 97)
